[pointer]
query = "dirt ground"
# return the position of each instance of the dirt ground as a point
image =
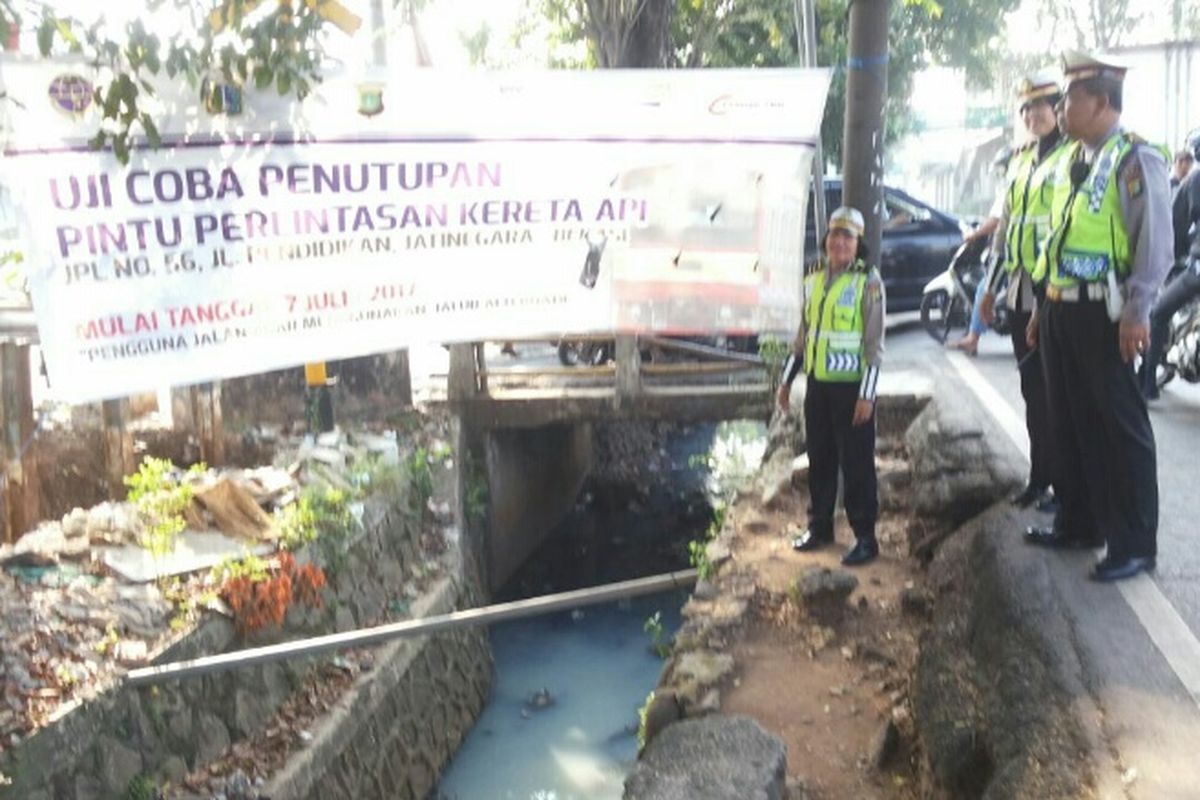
(829, 690)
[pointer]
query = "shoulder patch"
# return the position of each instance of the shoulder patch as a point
(1131, 176)
(875, 291)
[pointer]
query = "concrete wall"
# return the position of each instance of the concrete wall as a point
(389, 738)
(534, 475)
(424, 693)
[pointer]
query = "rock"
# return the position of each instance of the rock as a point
(822, 591)
(539, 700)
(75, 523)
(785, 432)
(884, 746)
(797, 789)
(716, 757)
(41, 547)
(112, 523)
(329, 439)
(131, 652)
(173, 770)
(663, 710)
(384, 447)
(718, 552)
(800, 468)
(251, 711)
(960, 469)
(756, 525)
(116, 764)
(343, 620)
(704, 667)
(710, 703)
(705, 590)
(212, 738)
(914, 602)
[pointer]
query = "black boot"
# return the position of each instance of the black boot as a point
(812, 540)
(864, 550)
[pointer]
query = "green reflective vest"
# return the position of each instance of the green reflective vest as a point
(833, 348)
(1030, 193)
(1088, 237)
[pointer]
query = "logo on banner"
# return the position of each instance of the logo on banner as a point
(71, 94)
(727, 103)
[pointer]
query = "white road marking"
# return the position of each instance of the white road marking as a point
(1170, 634)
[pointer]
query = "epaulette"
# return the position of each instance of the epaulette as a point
(1032, 143)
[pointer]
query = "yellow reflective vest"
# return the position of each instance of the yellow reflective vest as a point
(833, 348)
(1030, 194)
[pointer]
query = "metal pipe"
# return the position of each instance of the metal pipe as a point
(413, 627)
(703, 350)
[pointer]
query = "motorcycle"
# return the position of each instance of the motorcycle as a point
(947, 300)
(1182, 352)
(585, 352)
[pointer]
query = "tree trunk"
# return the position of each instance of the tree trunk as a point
(648, 45)
(866, 88)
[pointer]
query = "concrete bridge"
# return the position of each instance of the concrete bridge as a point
(532, 427)
(683, 381)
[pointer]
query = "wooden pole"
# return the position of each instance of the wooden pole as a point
(118, 446)
(207, 422)
(21, 483)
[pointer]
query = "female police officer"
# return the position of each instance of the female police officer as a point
(839, 346)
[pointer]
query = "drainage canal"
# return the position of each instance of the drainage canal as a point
(561, 723)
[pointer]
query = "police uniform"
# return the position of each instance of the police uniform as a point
(1106, 256)
(1024, 226)
(840, 347)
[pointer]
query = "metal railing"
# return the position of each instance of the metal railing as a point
(415, 627)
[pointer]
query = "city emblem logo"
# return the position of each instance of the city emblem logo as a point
(71, 94)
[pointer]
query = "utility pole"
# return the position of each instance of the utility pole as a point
(866, 89)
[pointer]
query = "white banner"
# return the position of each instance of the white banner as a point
(473, 207)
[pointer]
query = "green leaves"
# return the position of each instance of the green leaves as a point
(279, 49)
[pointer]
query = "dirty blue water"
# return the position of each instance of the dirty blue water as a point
(597, 665)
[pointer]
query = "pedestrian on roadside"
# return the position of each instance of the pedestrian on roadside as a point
(840, 347)
(1024, 226)
(1184, 160)
(986, 230)
(1107, 254)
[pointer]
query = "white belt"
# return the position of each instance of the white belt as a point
(1077, 293)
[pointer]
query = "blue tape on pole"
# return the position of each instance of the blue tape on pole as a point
(868, 62)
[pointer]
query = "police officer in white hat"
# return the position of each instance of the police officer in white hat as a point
(1106, 257)
(1023, 227)
(840, 347)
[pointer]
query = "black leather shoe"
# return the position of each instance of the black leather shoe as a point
(1109, 570)
(1028, 496)
(1047, 503)
(1049, 536)
(810, 540)
(864, 550)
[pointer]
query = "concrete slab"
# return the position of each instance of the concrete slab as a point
(194, 551)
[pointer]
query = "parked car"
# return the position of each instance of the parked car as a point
(918, 243)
